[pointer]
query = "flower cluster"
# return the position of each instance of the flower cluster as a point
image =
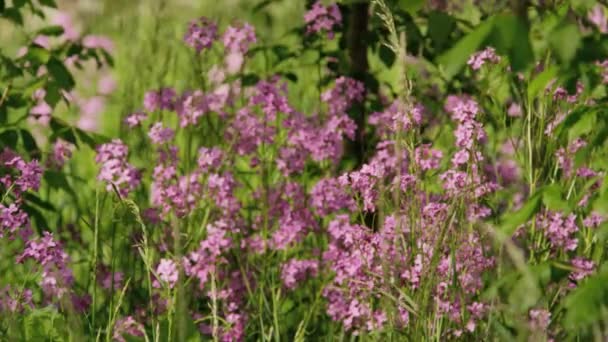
(323, 19)
(488, 55)
(201, 34)
(115, 169)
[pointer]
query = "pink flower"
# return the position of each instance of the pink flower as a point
(540, 319)
(127, 326)
(64, 20)
(239, 38)
(115, 170)
(159, 134)
(323, 19)
(201, 34)
(101, 42)
(559, 229)
(598, 18)
(477, 60)
(135, 119)
(582, 269)
(106, 85)
(295, 271)
(167, 272)
(62, 151)
(161, 99)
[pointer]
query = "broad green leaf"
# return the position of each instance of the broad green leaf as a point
(51, 30)
(456, 57)
(565, 41)
(553, 199)
(387, 56)
(250, 79)
(584, 306)
(585, 125)
(60, 73)
(601, 203)
(28, 141)
(511, 37)
(37, 55)
(514, 220)
(34, 199)
(13, 15)
(538, 84)
(49, 3)
(441, 26)
(411, 6)
(9, 139)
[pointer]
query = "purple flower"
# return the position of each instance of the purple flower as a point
(167, 272)
(295, 271)
(427, 158)
(237, 39)
(323, 19)
(582, 269)
(94, 42)
(477, 60)
(559, 229)
(201, 34)
(115, 170)
(539, 319)
(598, 18)
(344, 94)
(57, 278)
(328, 196)
(135, 119)
(162, 99)
(159, 134)
(127, 326)
(594, 220)
(210, 159)
(204, 260)
(12, 218)
(62, 151)
(30, 173)
(271, 96)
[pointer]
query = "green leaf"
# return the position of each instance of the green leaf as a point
(2, 6)
(37, 55)
(9, 139)
(511, 37)
(601, 203)
(51, 30)
(514, 220)
(90, 139)
(441, 26)
(585, 125)
(539, 83)
(48, 3)
(29, 143)
(572, 118)
(456, 57)
(13, 15)
(387, 56)
(291, 76)
(411, 6)
(565, 41)
(553, 199)
(250, 79)
(585, 305)
(261, 5)
(56, 180)
(62, 130)
(34, 199)
(60, 73)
